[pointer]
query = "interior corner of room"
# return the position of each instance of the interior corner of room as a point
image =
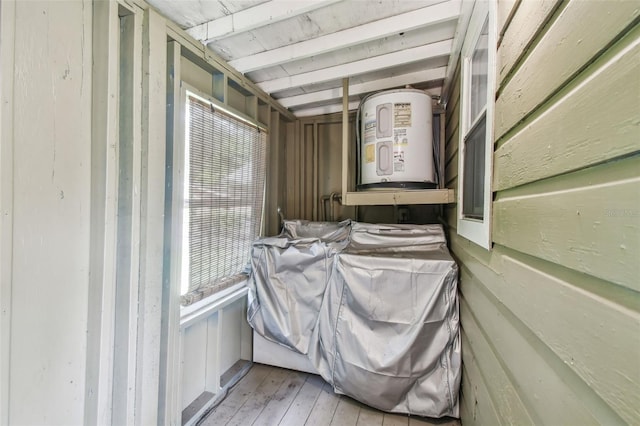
(156, 155)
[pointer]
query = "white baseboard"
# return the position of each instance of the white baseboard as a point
(269, 353)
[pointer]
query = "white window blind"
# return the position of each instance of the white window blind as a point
(225, 161)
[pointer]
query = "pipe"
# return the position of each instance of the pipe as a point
(335, 197)
(331, 197)
(281, 216)
(323, 207)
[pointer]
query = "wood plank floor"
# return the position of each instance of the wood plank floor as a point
(272, 396)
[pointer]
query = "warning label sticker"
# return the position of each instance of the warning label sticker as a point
(402, 114)
(398, 161)
(400, 137)
(370, 153)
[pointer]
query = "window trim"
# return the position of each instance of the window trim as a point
(188, 90)
(476, 230)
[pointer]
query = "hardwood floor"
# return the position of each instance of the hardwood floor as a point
(272, 396)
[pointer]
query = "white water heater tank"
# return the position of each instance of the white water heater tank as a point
(397, 141)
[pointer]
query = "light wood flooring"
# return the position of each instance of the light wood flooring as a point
(276, 396)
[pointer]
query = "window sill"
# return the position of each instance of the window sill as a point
(198, 310)
(206, 291)
(476, 231)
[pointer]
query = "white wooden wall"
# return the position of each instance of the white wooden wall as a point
(69, 353)
(45, 163)
(214, 337)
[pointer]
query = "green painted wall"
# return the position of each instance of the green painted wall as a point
(551, 316)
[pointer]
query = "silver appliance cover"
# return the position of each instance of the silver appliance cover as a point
(377, 314)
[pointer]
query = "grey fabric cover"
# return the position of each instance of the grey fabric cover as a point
(289, 275)
(377, 316)
(289, 278)
(328, 232)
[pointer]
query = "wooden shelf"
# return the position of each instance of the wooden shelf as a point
(399, 197)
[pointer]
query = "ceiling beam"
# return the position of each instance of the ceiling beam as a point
(337, 107)
(394, 25)
(254, 17)
(366, 87)
(326, 109)
(433, 50)
(201, 51)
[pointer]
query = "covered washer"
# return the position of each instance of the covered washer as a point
(289, 275)
(377, 313)
(388, 332)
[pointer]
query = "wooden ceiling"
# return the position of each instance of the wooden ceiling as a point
(299, 51)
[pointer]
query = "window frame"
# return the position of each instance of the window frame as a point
(181, 190)
(474, 229)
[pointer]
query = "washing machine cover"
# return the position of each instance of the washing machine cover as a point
(289, 275)
(386, 329)
(327, 232)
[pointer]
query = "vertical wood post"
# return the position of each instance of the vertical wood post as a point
(104, 190)
(7, 27)
(169, 410)
(345, 138)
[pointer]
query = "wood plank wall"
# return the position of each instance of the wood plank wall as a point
(313, 160)
(550, 317)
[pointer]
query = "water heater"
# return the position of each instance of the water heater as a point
(396, 140)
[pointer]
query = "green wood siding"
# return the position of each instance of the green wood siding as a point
(551, 316)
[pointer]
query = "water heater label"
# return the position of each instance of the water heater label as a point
(402, 114)
(370, 131)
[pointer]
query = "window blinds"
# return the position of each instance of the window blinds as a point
(226, 161)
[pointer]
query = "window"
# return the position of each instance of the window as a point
(225, 161)
(476, 124)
